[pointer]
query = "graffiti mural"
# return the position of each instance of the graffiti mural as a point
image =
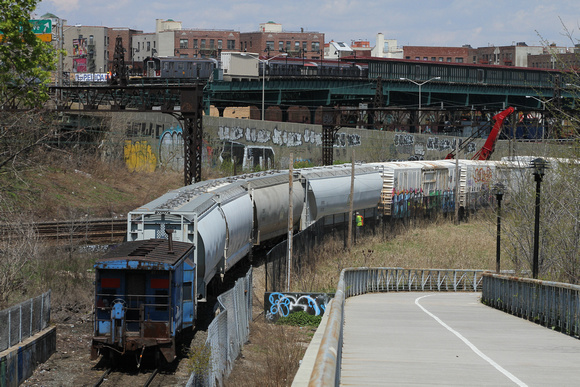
(139, 156)
(344, 139)
(171, 149)
(278, 304)
(275, 137)
(415, 202)
(483, 175)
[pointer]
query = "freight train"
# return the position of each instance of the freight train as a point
(147, 290)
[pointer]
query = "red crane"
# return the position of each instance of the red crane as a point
(487, 149)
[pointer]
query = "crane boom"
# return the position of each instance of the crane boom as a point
(485, 152)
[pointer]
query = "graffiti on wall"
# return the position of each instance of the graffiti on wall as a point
(248, 156)
(139, 156)
(343, 139)
(283, 137)
(278, 304)
(445, 144)
(171, 149)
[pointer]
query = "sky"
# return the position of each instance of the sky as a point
(412, 22)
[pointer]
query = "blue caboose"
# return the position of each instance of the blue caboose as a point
(144, 297)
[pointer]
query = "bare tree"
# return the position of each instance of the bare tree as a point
(19, 252)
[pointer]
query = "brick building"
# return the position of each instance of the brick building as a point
(126, 35)
(193, 43)
(437, 54)
(564, 61)
(272, 40)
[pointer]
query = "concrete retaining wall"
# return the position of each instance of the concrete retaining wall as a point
(151, 140)
(19, 362)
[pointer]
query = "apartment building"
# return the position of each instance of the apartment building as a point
(272, 40)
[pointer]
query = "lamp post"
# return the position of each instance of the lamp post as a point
(419, 84)
(264, 62)
(543, 111)
(61, 31)
(539, 166)
(499, 190)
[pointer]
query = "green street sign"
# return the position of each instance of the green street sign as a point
(41, 26)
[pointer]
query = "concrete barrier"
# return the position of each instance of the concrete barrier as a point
(17, 363)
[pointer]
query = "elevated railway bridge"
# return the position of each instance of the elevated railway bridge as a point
(389, 95)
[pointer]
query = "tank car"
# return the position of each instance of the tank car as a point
(144, 298)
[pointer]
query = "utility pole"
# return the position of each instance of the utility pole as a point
(457, 178)
(350, 204)
(290, 218)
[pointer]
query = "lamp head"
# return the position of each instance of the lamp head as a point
(539, 167)
(498, 190)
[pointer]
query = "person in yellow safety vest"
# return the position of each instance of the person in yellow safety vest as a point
(359, 220)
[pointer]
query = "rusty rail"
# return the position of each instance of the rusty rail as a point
(90, 230)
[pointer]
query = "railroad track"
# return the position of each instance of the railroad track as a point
(118, 378)
(86, 230)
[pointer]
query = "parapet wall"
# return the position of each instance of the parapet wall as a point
(19, 362)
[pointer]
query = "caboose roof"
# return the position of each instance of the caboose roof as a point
(147, 254)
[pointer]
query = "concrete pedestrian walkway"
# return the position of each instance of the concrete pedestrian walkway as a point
(450, 339)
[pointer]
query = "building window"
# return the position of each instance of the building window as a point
(212, 44)
(231, 44)
(270, 45)
(425, 58)
(288, 45)
(220, 44)
(433, 58)
(448, 59)
(280, 46)
(417, 58)
(203, 44)
(458, 60)
(148, 46)
(183, 55)
(440, 59)
(304, 46)
(195, 43)
(315, 46)
(182, 43)
(296, 46)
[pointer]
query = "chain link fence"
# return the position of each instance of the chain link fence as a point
(22, 321)
(227, 333)
(406, 210)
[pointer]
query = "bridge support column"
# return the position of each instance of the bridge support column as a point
(191, 119)
(312, 110)
(329, 128)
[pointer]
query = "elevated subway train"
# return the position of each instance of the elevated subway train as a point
(147, 290)
(388, 69)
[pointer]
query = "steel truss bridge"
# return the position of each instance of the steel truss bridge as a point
(333, 103)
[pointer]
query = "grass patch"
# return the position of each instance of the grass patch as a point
(301, 319)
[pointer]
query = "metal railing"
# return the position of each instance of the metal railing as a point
(24, 320)
(552, 304)
(356, 281)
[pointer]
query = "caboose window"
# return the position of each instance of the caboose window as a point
(159, 283)
(111, 283)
